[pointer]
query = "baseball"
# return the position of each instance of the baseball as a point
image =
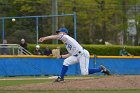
(13, 20)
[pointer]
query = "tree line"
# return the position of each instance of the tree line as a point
(98, 21)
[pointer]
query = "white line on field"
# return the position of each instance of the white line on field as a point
(48, 78)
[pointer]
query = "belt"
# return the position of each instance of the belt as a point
(77, 54)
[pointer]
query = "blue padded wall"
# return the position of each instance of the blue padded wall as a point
(52, 66)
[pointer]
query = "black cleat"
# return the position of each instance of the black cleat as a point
(105, 70)
(59, 79)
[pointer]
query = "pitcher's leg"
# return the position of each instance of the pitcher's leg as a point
(94, 70)
(63, 71)
(68, 61)
(100, 69)
(84, 63)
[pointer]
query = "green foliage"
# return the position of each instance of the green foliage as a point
(31, 7)
(111, 50)
(99, 19)
(104, 50)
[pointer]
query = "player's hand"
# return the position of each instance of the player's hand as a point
(41, 39)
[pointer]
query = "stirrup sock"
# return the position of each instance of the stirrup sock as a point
(94, 70)
(63, 71)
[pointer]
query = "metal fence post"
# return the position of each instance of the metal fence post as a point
(37, 30)
(2, 30)
(75, 26)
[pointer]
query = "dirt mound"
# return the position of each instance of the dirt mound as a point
(111, 82)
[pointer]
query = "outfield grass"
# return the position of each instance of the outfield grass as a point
(90, 91)
(32, 79)
(18, 82)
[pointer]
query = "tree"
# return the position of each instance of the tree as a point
(96, 19)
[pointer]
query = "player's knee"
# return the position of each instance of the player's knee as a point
(66, 63)
(84, 73)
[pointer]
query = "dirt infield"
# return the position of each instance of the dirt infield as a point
(111, 82)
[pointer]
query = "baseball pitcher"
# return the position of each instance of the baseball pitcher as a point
(76, 53)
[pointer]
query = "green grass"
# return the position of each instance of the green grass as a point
(18, 82)
(90, 91)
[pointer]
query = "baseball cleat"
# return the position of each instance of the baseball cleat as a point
(104, 70)
(59, 79)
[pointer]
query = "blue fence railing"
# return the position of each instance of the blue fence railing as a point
(37, 23)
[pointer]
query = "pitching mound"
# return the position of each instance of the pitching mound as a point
(111, 82)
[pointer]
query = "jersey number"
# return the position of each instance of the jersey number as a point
(69, 46)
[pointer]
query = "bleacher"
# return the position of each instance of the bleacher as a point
(13, 49)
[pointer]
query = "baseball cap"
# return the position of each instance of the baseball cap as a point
(22, 40)
(63, 29)
(37, 46)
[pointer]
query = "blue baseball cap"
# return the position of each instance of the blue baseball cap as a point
(62, 30)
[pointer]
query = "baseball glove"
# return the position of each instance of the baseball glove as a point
(56, 53)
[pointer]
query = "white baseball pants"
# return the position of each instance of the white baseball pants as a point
(82, 58)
